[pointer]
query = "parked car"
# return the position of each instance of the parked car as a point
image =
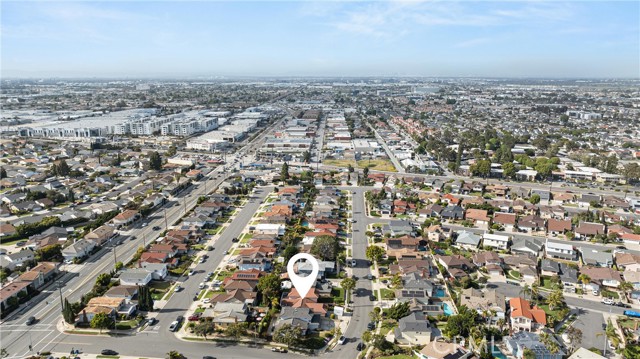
(354, 263)
(108, 352)
(623, 305)
(342, 340)
(174, 326)
(156, 228)
(608, 301)
(152, 321)
(208, 357)
(178, 288)
(360, 346)
(209, 248)
(30, 320)
(279, 350)
(371, 326)
(191, 272)
(194, 318)
(234, 240)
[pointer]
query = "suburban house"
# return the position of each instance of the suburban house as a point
(135, 276)
(303, 318)
(443, 350)
(560, 250)
(485, 302)
(558, 226)
(17, 259)
(127, 292)
(39, 275)
(479, 217)
(524, 317)
(519, 341)
(126, 217)
(530, 246)
(586, 230)
(592, 257)
(118, 305)
(497, 241)
(413, 329)
(607, 277)
(158, 271)
(79, 249)
(468, 240)
(506, 220)
(100, 235)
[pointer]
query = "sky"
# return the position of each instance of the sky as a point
(549, 39)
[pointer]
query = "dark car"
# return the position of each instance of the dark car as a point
(360, 346)
(208, 357)
(152, 321)
(179, 319)
(108, 352)
(30, 320)
(623, 305)
(156, 228)
(234, 240)
(209, 248)
(371, 326)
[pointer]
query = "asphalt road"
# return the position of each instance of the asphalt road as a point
(361, 304)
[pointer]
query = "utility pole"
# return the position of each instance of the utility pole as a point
(115, 258)
(165, 220)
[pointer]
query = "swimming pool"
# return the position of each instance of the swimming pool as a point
(440, 293)
(447, 309)
(495, 351)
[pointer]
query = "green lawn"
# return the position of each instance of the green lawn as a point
(387, 293)
(553, 313)
(546, 282)
(387, 326)
(515, 274)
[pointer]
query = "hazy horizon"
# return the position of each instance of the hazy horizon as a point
(352, 39)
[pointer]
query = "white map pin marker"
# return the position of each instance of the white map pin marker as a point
(303, 284)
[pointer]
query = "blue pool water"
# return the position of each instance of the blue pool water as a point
(440, 293)
(446, 309)
(305, 223)
(495, 351)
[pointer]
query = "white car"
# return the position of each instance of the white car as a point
(202, 285)
(608, 301)
(206, 300)
(342, 340)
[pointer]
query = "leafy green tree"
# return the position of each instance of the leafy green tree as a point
(289, 252)
(508, 169)
(101, 321)
(284, 172)
(631, 351)
(367, 336)
(3, 173)
(375, 315)
(306, 157)
(204, 328)
(236, 330)
(461, 323)
(175, 355)
(528, 354)
(374, 253)
(325, 247)
(171, 151)
(555, 299)
(145, 299)
(535, 198)
(103, 280)
(269, 286)
(71, 197)
(481, 168)
(287, 334)
(398, 310)
(68, 312)
(49, 253)
(3, 353)
(155, 161)
(348, 284)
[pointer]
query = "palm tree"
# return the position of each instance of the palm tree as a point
(549, 342)
(555, 299)
(625, 287)
(612, 334)
(535, 292)
(584, 279)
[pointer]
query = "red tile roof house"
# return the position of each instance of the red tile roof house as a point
(479, 217)
(506, 220)
(126, 218)
(524, 317)
(558, 226)
(589, 230)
